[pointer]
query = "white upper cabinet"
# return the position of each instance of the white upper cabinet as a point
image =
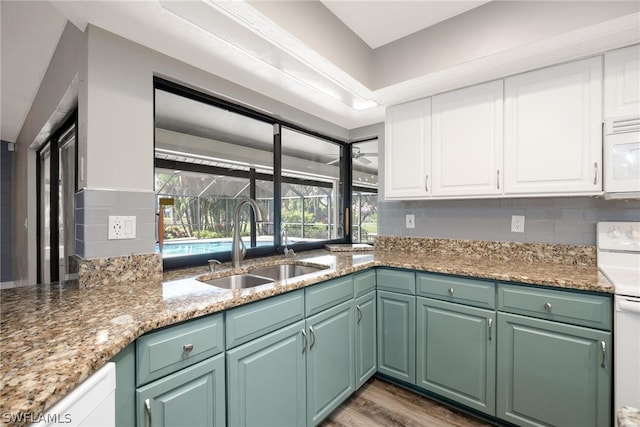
(408, 150)
(553, 130)
(622, 82)
(467, 141)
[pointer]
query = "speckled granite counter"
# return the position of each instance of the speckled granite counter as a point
(628, 417)
(54, 337)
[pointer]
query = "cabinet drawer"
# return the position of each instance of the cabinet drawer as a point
(585, 310)
(478, 293)
(322, 296)
(400, 281)
(254, 320)
(166, 351)
(364, 282)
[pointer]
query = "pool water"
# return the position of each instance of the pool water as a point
(171, 249)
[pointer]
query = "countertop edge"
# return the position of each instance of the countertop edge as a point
(103, 354)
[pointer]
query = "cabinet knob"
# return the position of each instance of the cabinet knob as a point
(450, 291)
(547, 306)
(187, 348)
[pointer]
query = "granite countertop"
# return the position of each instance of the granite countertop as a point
(628, 417)
(53, 337)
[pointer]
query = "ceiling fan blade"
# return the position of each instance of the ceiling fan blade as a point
(363, 160)
(333, 162)
(369, 154)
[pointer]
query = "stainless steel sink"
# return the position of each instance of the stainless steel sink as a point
(238, 281)
(285, 271)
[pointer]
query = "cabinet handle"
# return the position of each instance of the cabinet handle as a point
(498, 178)
(426, 183)
(188, 348)
(595, 173)
(304, 336)
(450, 290)
(359, 313)
(313, 337)
(603, 348)
(490, 323)
(547, 306)
(147, 410)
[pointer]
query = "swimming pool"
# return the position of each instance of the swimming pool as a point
(196, 247)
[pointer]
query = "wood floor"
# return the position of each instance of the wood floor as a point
(379, 403)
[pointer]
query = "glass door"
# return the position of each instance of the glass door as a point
(56, 210)
(44, 214)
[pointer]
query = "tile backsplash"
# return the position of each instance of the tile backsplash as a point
(563, 220)
(93, 208)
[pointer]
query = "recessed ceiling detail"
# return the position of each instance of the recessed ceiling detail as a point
(442, 45)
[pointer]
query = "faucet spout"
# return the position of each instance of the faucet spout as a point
(239, 249)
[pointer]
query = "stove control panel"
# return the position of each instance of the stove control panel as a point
(618, 236)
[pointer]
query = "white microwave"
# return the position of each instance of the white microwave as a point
(622, 158)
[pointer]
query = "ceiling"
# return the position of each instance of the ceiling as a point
(381, 22)
(390, 51)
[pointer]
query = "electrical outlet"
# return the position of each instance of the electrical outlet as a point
(517, 223)
(411, 221)
(122, 227)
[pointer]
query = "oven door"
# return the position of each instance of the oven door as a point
(627, 351)
(622, 162)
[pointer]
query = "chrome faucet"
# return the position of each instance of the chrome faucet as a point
(239, 249)
(212, 265)
(285, 238)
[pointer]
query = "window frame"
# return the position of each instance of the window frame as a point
(344, 186)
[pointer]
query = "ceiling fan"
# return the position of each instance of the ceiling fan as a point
(357, 155)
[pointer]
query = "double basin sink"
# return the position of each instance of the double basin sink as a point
(262, 275)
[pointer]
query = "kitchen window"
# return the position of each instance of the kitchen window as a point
(210, 154)
(364, 187)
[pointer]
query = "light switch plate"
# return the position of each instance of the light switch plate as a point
(122, 227)
(410, 221)
(517, 223)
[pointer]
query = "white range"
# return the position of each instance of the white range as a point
(619, 262)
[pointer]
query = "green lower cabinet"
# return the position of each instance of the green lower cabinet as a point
(456, 352)
(266, 380)
(397, 335)
(366, 338)
(330, 360)
(552, 374)
(194, 396)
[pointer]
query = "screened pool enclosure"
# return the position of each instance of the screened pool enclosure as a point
(210, 154)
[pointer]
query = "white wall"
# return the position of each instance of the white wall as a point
(54, 100)
(112, 80)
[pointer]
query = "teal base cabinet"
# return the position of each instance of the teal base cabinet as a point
(366, 338)
(397, 335)
(330, 360)
(194, 396)
(552, 374)
(126, 386)
(456, 353)
(266, 380)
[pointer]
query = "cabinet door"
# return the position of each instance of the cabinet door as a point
(330, 360)
(194, 396)
(366, 340)
(456, 353)
(266, 381)
(622, 82)
(397, 335)
(467, 141)
(407, 150)
(553, 130)
(552, 374)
